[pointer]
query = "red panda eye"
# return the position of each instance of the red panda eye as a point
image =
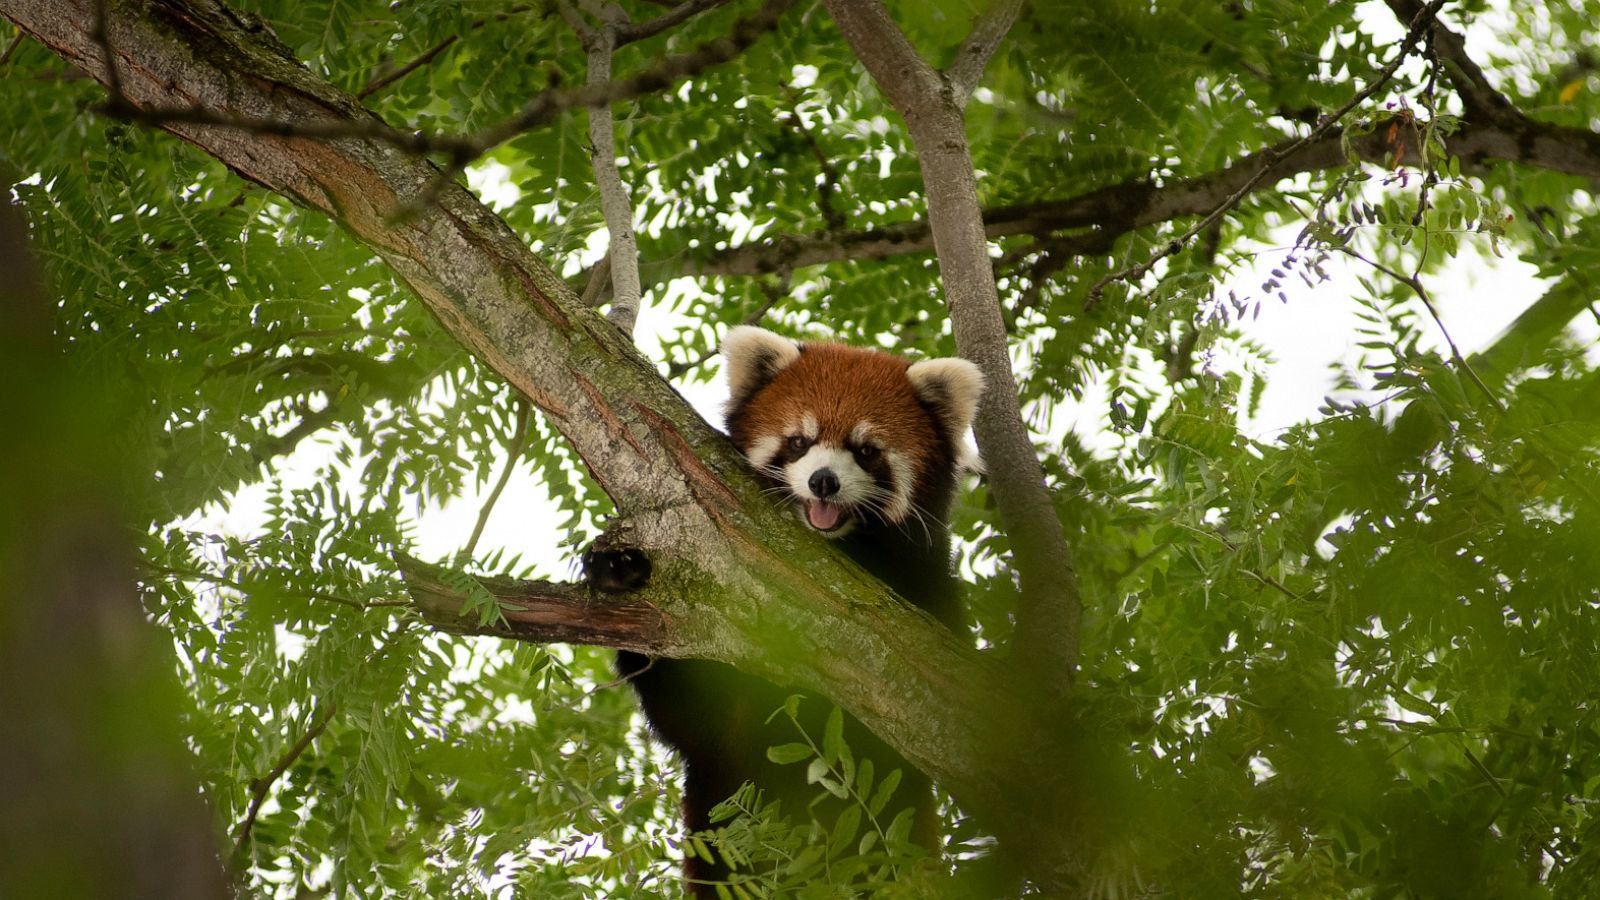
(866, 451)
(797, 442)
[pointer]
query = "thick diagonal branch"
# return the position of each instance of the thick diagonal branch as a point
(736, 580)
(1048, 609)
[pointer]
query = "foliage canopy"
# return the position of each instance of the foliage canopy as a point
(1357, 657)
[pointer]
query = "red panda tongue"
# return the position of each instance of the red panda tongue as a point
(822, 515)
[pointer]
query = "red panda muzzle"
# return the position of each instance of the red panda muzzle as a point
(824, 516)
(866, 447)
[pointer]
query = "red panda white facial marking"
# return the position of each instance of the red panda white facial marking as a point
(833, 483)
(852, 435)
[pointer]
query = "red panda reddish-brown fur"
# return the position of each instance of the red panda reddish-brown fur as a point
(866, 446)
(877, 391)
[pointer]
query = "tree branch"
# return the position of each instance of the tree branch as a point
(1136, 272)
(899, 71)
(461, 150)
(542, 612)
(1417, 287)
(1048, 609)
(599, 43)
(1479, 99)
(967, 751)
(629, 33)
(1108, 213)
(1520, 344)
(379, 82)
(261, 787)
(735, 578)
(829, 184)
(987, 32)
(1515, 135)
(11, 48)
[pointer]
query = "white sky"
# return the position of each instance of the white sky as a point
(1311, 333)
(1308, 335)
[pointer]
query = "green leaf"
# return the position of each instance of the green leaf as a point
(784, 754)
(885, 792)
(833, 748)
(844, 830)
(832, 786)
(817, 770)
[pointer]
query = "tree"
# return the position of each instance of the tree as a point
(1344, 659)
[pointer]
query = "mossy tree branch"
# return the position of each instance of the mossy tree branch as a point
(735, 579)
(931, 102)
(1089, 223)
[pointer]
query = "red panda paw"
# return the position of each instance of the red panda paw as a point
(616, 571)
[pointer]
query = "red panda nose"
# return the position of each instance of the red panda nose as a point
(824, 483)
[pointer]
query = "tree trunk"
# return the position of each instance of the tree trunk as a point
(1048, 609)
(97, 796)
(735, 579)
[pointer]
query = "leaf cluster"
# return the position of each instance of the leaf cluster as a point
(1356, 658)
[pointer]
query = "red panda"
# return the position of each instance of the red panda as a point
(866, 447)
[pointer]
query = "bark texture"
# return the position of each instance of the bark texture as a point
(1095, 219)
(735, 580)
(599, 44)
(931, 102)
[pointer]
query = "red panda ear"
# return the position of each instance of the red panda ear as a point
(950, 388)
(753, 357)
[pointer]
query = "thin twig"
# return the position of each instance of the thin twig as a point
(830, 172)
(1416, 286)
(774, 292)
(379, 82)
(11, 48)
(1270, 158)
(1264, 580)
(985, 37)
(650, 663)
(513, 452)
(545, 107)
(461, 149)
(628, 34)
(260, 787)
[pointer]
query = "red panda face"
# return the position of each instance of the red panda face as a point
(854, 437)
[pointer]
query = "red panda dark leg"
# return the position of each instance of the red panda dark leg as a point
(692, 706)
(615, 571)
